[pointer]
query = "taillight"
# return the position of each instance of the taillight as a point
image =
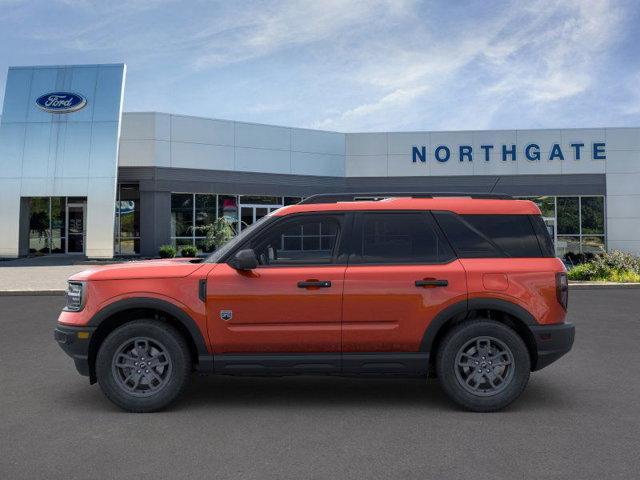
(562, 289)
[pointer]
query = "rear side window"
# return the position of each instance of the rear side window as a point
(399, 238)
(467, 241)
(478, 236)
(544, 236)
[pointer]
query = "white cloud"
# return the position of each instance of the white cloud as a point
(533, 54)
(347, 64)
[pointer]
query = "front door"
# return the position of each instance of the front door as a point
(75, 227)
(292, 302)
(401, 274)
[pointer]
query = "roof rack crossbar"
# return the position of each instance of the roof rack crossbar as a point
(360, 196)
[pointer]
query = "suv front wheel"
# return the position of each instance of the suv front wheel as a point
(143, 365)
(483, 365)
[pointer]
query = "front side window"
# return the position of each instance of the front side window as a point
(307, 240)
(400, 238)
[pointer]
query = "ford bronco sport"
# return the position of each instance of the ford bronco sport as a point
(462, 287)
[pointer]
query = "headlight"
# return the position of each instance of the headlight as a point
(75, 296)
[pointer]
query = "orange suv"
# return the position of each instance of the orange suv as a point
(458, 286)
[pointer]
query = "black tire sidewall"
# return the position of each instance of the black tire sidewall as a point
(459, 336)
(177, 349)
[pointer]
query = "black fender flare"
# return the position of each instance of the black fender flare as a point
(155, 304)
(466, 306)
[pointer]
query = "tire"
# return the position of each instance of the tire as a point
(143, 366)
(502, 360)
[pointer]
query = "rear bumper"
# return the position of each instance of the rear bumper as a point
(552, 342)
(75, 343)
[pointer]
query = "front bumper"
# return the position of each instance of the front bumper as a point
(552, 342)
(75, 343)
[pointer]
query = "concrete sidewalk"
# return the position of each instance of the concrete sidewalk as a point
(41, 275)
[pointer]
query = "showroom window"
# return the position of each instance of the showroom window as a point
(192, 210)
(576, 224)
(189, 211)
(127, 220)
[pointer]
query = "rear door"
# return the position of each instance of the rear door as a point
(401, 273)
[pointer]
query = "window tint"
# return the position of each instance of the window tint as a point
(544, 237)
(401, 238)
(467, 242)
(476, 236)
(513, 234)
(305, 241)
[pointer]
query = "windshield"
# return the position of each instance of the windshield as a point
(235, 241)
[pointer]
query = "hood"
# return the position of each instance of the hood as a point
(166, 268)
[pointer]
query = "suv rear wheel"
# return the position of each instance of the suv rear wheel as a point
(483, 365)
(143, 365)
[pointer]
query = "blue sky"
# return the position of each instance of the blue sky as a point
(371, 65)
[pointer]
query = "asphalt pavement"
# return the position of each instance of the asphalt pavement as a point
(578, 418)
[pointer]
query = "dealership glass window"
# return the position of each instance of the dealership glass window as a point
(127, 226)
(182, 213)
(291, 200)
(568, 215)
(228, 208)
(580, 222)
(592, 215)
(58, 224)
(192, 210)
(40, 225)
(48, 228)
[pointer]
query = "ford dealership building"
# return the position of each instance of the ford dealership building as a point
(77, 175)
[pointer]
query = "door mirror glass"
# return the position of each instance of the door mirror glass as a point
(244, 260)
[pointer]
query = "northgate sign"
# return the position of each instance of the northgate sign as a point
(531, 152)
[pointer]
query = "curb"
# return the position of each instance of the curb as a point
(601, 285)
(24, 293)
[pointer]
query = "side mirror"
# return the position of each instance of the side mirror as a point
(244, 260)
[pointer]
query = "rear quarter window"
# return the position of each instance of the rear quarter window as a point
(483, 236)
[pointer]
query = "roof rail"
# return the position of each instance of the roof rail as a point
(362, 196)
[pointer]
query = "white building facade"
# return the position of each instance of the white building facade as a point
(100, 182)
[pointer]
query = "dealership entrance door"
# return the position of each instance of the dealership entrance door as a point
(76, 221)
(57, 225)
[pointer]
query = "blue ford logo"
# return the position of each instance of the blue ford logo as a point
(61, 102)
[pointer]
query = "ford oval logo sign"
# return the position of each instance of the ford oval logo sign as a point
(61, 102)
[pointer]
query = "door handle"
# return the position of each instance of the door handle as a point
(431, 283)
(314, 284)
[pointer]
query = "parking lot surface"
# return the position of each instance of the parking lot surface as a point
(579, 418)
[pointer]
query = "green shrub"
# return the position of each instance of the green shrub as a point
(167, 251)
(581, 272)
(217, 233)
(188, 251)
(617, 260)
(614, 266)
